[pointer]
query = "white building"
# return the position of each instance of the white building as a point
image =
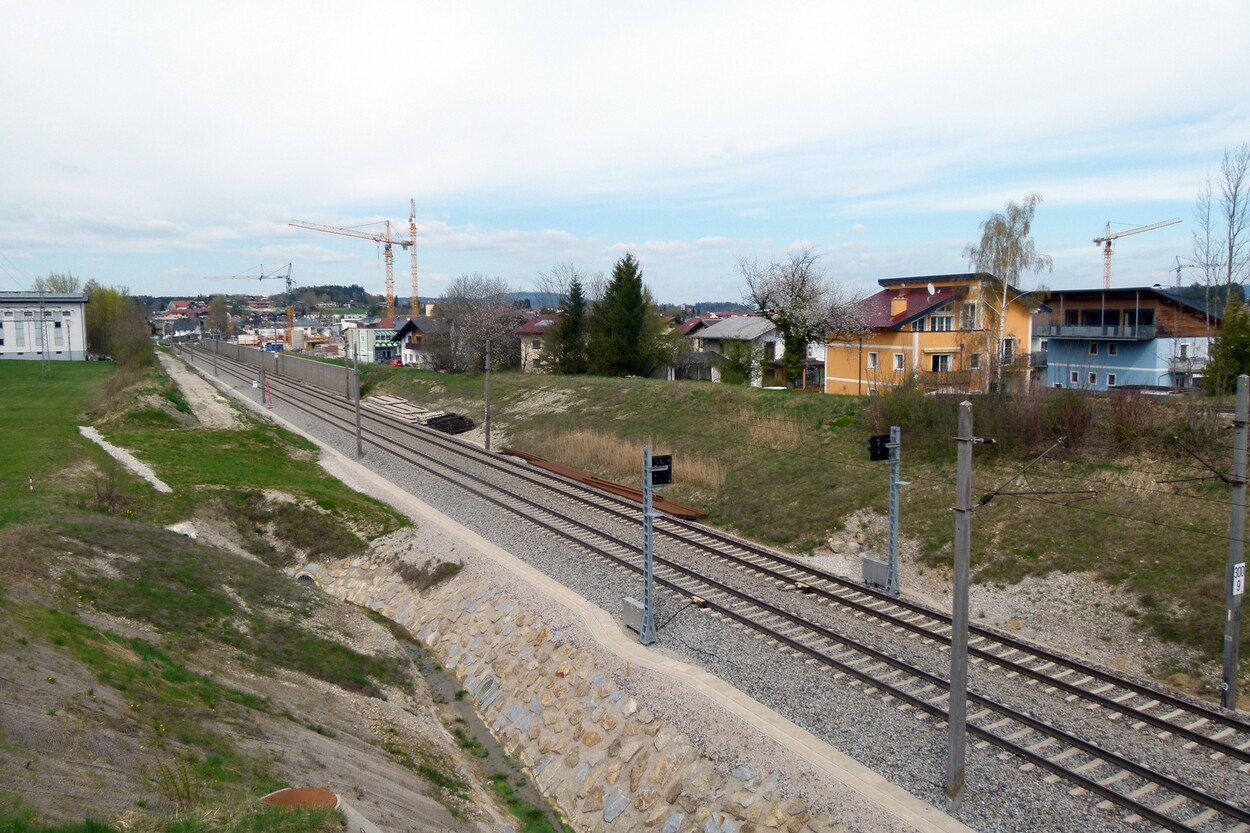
(28, 320)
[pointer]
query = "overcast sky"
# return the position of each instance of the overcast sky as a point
(150, 144)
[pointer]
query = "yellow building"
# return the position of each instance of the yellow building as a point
(941, 332)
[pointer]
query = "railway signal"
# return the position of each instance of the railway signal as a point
(887, 447)
(657, 472)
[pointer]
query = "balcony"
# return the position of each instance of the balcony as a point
(1037, 358)
(1127, 332)
(949, 380)
(1187, 364)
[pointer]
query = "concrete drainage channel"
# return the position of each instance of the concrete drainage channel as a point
(467, 727)
(473, 734)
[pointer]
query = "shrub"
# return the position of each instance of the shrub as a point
(1070, 414)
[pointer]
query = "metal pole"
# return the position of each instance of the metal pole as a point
(648, 636)
(349, 351)
(216, 353)
(486, 422)
(261, 385)
(958, 701)
(891, 581)
(1235, 573)
(360, 448)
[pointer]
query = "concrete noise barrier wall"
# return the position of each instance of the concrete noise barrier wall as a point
(331, 377)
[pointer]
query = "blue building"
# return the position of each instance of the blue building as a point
(1142, 338)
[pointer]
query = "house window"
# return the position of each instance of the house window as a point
(57, 333)
(1110, 380)
(941, 363)
(770, 350)
(968, 316)
(1009, 350)
(1059, 384)
(918, 325)
(1093, 348)
(1093, 378)
(1184, 351)
(872, 361)
(898, 362)
(1043, 345)
(1113, 349)
(1075, 378)
(974, 361)
(537, 344)
(942, 320)
(534, 362)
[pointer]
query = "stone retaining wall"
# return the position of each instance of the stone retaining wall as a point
(607, 762)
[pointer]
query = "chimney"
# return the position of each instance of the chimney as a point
(898, 305)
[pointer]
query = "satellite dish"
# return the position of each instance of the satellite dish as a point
(930, 288)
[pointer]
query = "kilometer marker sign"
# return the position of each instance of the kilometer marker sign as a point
(1239, 578)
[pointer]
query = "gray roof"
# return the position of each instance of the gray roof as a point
(737, 328)
(46, 297)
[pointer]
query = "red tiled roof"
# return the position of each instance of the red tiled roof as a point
(875, 309)
(691, 324)
(538, 325)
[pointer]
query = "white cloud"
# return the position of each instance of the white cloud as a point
(174, 133)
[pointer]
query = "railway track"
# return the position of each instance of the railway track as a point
(1189, 734)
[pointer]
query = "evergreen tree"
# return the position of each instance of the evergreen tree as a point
(619, 335)
(1230, 350)
(567, 342)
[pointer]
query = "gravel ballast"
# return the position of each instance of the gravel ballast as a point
(865, 724)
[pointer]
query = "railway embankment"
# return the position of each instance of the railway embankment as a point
(579, 718)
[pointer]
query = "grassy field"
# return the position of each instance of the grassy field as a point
(211, 471)
(88, 542)
(39, 419)
(789, 469)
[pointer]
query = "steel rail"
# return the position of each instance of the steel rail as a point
(605, 503)
(931, 680)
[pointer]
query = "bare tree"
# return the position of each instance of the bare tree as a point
(218, 320)
(558, 280)
(478, 309)
(1005, 252)
(796, 296)
(1222, 221)
(59, 283)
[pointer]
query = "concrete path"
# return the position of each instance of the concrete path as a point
(127, 459)
(211, 408)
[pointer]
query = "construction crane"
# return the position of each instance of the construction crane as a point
(1105, 242)
(283, 273)
(386, 241)
(412, 237)
(1179, 266)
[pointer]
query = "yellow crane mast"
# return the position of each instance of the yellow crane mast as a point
(385, 240)
(1105, 242)
(412, 239)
